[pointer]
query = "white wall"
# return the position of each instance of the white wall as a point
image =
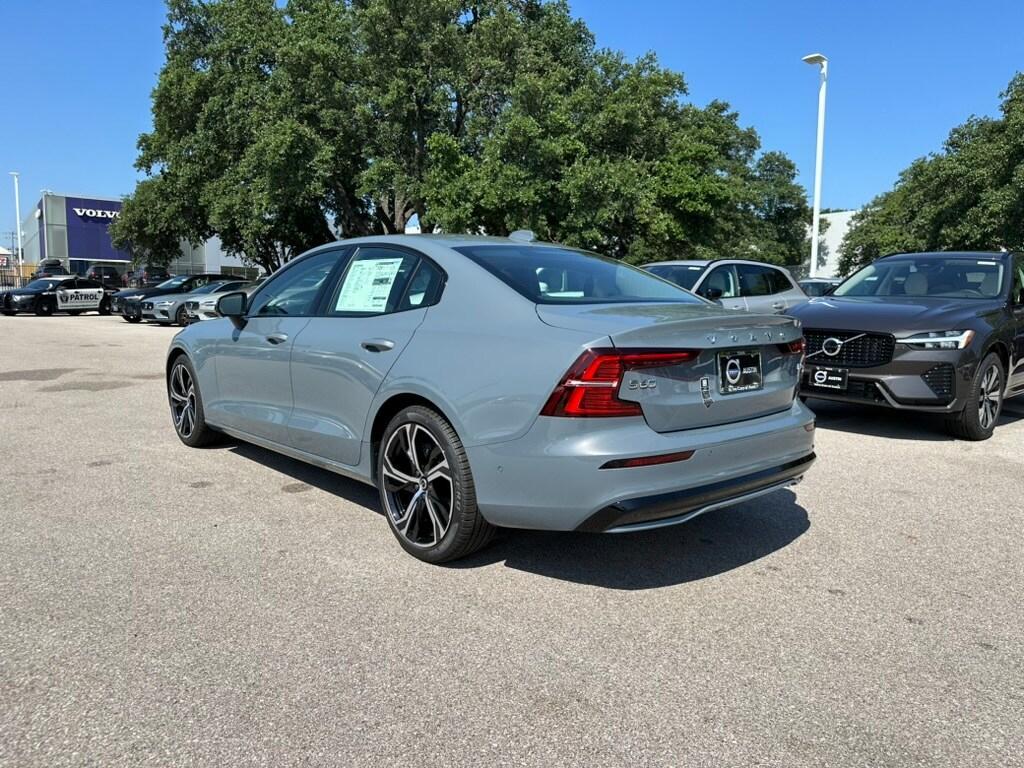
(838, 224)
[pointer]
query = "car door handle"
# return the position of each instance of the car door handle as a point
(779, 305)
(277, 338)
(378, 345)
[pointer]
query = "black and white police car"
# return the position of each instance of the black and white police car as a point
(60, 293)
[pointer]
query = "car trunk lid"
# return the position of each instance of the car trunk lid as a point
(743, 367)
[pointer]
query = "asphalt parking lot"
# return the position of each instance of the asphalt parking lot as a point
(168, 606)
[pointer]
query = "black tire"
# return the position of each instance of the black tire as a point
(105, 307)
(984, 402)
(9, 313)
(45, 306)
(179, 317)
(466, 531)
(183, 395)
(131, 319)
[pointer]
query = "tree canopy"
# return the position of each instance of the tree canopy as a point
(968, 196)
(277, 126)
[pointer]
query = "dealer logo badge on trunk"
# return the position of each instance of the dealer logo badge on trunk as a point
(733, 370)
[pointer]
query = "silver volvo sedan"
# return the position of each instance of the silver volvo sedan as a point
(483, 382)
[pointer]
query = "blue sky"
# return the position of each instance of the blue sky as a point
(76, 80)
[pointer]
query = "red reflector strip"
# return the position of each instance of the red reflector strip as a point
(648, 461)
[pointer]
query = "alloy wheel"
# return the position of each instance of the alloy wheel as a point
(989, 397)
(183, 400)
(418, 490)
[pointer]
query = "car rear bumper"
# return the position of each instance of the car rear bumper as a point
(660, 510)
(554, 478)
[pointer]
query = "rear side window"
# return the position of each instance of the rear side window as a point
(778, 281)
(554, 275)
(756, 280)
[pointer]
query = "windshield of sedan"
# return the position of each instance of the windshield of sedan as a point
(683, 275)
(928, 277)
(553, 275)
(174, 282)
(42, 285)
(211, 287)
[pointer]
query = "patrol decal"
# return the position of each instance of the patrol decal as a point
(79, 298)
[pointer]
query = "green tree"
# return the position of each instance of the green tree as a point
(968, 196)
(278, 125)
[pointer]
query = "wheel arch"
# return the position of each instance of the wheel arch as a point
(1000, 349)
(387, 411)
(173, 355)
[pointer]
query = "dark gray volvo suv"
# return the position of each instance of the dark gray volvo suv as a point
(938, 332)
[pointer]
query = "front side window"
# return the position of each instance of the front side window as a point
(928, 277)
(683, 275)
(382, 280)
(294, 291)
(1018, 280)
(555, 275)
(721, 283)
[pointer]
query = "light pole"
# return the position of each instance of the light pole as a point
(817, 58)
(17, 216)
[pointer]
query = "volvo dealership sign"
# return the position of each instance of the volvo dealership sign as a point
(96, 213)
(87, 223)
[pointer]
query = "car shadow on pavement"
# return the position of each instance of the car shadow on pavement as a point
(711, 544)
(329, 482)
(895, 424)
(708, 545)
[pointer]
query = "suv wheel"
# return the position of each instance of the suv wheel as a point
(179, 316)
(105, 306)
(187, 405)
(426, 488)
(984, 402)
(45, 306)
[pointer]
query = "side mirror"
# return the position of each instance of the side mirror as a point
(232, 305)
(712, 294)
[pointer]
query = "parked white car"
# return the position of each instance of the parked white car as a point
(734, 283)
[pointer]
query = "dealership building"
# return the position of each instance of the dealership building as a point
(74, 229)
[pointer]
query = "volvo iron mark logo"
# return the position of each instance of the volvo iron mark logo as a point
(733, 370)
(820, 377)
(832, 346)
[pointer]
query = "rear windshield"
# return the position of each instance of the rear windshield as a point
(683, 275)
(928, 277)
(554, 275)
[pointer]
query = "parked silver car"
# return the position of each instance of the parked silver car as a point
(482, 382)
(200, 308)
(170, 308)
(734, 283)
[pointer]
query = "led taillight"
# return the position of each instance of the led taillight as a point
(797, 347)
(590, 387)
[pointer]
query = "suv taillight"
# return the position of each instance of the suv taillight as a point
(590, 387)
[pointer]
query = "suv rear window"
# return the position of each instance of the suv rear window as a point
(555, 275)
